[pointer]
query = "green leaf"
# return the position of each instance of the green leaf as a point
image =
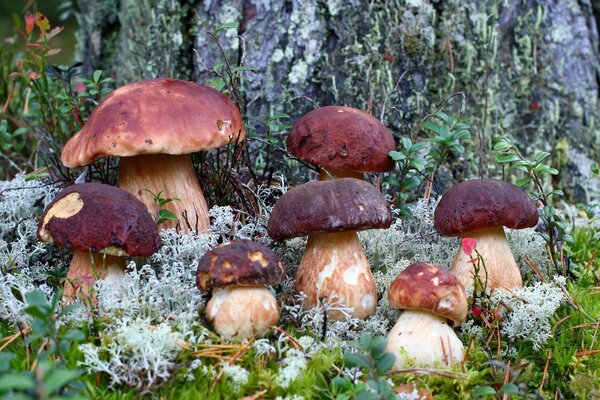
(228, 25)
(507, 158)
(16, 382)
(384, 363)
(523, 181)
(5, 359)
(411, 183)
(377, 346)
(406, 142)
(391, 180)
(509, 388)
(36, 298)
(97, 75)
(58, 378)
(356, 359)
(418, 146)
(483, 391)
(397, 156)
(166, 215)
(243, 68)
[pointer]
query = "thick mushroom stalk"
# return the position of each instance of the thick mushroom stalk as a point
(501, 269)
(85, 269)
(335, 269)
(242, 311)
(173, 176)
(423, 339)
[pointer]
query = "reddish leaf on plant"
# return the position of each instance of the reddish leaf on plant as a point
(42, 22)
(468, 245)
(29, 23)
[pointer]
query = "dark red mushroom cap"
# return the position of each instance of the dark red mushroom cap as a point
(239, 262)
(483, 203)
(346, 204)
(342, 138)
(99, 218)
(427, 287)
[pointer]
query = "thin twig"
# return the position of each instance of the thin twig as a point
(390, 95)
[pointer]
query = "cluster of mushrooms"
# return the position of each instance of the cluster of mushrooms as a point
(103, 224)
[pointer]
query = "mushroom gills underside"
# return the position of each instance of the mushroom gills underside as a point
(335, 270)
(423, 339)
(502, 269)
(242, 311)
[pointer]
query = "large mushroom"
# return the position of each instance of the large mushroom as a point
(344, 141)
(479, 209)
(430, 296)
(154, 125)
(334, 266)
(236, 272)
(101, 224)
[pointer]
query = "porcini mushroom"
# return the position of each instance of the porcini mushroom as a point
(430, 296)
(236, 272)
(479, 209)
(344, 141)
(153, 125)
(101, 224)
(334, 266)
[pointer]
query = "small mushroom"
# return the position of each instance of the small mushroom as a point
(334, 266)
(154, 125)
(479, 209)
(430, 295)
(344, 141)
(101, 224)
(236, 272)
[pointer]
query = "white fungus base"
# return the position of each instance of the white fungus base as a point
(423, 339)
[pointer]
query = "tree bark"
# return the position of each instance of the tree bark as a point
(528, 68)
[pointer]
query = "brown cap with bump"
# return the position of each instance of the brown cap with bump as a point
(239, 262)
(483, 203)
(99, 218)
(155, 116)
(339, 205)
(342, 138)
(423, 286)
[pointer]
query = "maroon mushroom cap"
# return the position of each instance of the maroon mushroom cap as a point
(99, 218)
(239, 262)
(427, 287)
(342, 138)
(346, 204)
(483, 203)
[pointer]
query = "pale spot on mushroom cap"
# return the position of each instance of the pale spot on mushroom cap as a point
(445, 304)
(420, 273)
(223, 125)
(257, 256)
(226, 265)
(361, 207)
(433, 269)
(66, 207)
(436, 281)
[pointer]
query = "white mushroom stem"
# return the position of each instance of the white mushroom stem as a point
(423, 339)
(86, 268)
(175, 177)
(335, 269)
(242, 311)
(502, 269)
(330, 173)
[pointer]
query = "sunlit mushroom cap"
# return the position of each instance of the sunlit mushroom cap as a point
(339, 205)
(342, 138)
(483, 203)
(155, 116)
(423, 286)
(99, 218)
(239, 262)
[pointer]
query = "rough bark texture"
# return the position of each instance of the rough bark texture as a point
(529, 68)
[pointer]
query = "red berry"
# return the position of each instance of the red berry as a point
(477, 310)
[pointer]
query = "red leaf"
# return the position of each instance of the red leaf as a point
(29, 23)
(468, 245)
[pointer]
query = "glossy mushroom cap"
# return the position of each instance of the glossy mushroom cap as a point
(342, 138)
(483, 203)
(426, 287)
(239, 262)
(339, 205)
(155, 116)
(99, 218)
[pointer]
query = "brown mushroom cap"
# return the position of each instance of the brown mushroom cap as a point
(100, 218)
(483, 203)
(339, 205)
(155, 116)
(342, 138)
(423, 286)
(239, 262)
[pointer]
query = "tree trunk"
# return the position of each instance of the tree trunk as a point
(528, 68)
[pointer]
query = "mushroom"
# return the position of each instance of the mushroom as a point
(479, 209)
(237, 272)
(100, 224)
(344, 141)
(334, 265)
(430, 296)
(153, 125)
